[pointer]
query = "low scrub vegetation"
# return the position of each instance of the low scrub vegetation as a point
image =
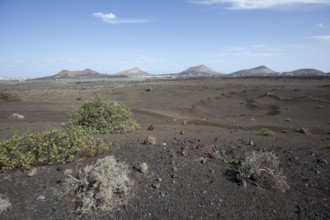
(262, 168)
(104, 116)
(266, 132)
(8, 97)
(24, 150)
(99, 187)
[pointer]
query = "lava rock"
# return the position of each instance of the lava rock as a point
(151, 140)
(304, 131)
(143, 168)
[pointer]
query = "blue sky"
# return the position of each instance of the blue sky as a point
(42, 37)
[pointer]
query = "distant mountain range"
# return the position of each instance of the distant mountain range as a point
(195, 71)
(257, 71)
(134, 72)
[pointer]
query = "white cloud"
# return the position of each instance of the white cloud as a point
(112, 19)
(260, 4)
(106, 17)
(322, 38)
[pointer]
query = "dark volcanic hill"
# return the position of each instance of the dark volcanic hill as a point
(134, 72)
(199, 71)
(257, 71)
(76, 74)
(304, 72)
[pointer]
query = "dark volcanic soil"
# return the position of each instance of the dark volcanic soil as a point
(191, 118)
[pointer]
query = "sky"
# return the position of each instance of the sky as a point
(42, 37)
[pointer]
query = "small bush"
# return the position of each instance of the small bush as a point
(263, 168)
(4, 204)
(50, 147)
(99, 187)
(105, 116)
(8, 97)
(267, 132)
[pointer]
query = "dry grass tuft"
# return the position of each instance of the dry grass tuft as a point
(99, 187)
(262, 168)
(4, 204)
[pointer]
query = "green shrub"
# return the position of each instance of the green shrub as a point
(104, 116)
(267, 132)
(50, 147)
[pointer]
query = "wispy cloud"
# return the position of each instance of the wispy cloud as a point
(238, 48)
(256, 50)
(320, 25)
(322, 38)
(260, 4)
(258, 45)
(112, 19)
(256, 54)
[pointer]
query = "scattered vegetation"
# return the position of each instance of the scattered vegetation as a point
(262, 168)
(4, 204)
(104, 116)
(99, 187)
(24, 150)
(8, 97)
(77, 139)
(266, 132)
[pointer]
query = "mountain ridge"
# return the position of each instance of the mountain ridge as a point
(256, 71)
(194, 71)
(304, 72)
